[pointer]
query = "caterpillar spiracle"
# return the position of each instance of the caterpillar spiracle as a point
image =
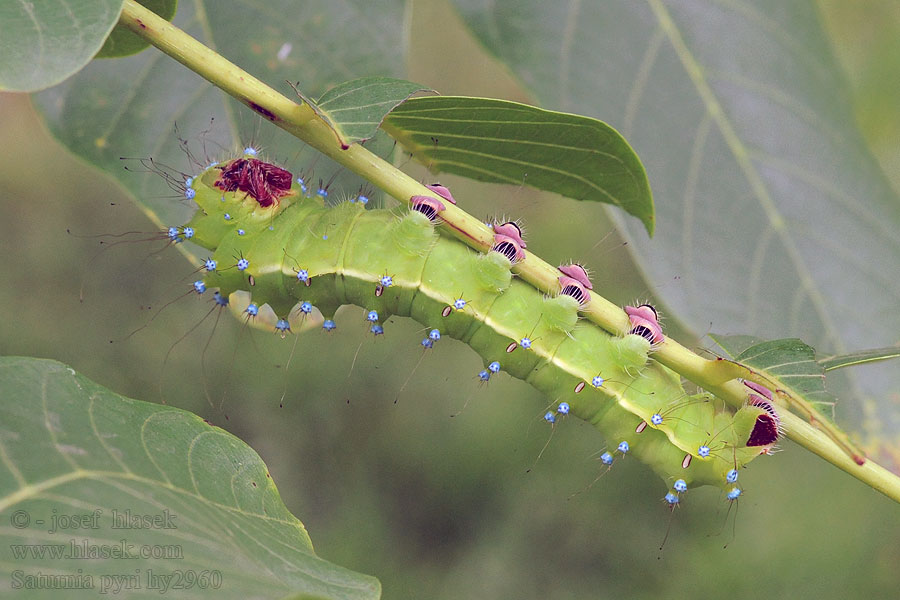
(291, 251)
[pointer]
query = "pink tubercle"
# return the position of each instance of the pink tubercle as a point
(643, 318)
(441, 191)
(512, 230)
(576, 271)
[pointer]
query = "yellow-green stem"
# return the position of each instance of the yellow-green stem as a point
(300, 121)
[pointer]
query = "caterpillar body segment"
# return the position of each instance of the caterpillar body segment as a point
(391, 264)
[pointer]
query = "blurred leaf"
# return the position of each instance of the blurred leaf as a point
(857, 358)
(507, 142)
(74, 448)
(43, 43)
(131, 106)
(122, 42)
(355, 109)
(735, 344)
(771, 212)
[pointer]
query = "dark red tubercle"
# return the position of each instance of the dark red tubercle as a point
(576, 271)
(262, 181)
(768, 425)
(765, 431)
(644, 323)
(441, 191)
(510, 229)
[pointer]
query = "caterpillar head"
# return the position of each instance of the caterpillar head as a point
(262, 181)
(243, 194)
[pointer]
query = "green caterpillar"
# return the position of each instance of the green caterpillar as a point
(292, 252)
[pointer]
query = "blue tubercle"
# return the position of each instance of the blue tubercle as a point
(199, 286)
(734, 493)
(329, 325)
(242, 264)
(484, 375)
(428, 343)
(434, 335)
(173, 233)
(703, 451)
(372, 317)
(563, 408)
(220, 299)
(188, 233)
(387, 281)
(732, 476)
(241, 232)
(597, 381)
(188, 182)
(306, 307)
(189, 193)
(606, 458)
(494, 367)
(282, 325)
(227, 216)
(656, 419)
(525, 343)
(376, 329)
(672, 499)
(303, 275)
(623, 447)
(459, 304)
(550, 417)
(322, 192)
(680, 486)
(252, 309)
(363, 200)
(250, 151)
(210, 264)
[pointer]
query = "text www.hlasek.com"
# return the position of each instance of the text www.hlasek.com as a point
(84, 549)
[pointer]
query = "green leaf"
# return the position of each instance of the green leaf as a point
(76, 454)
(131, 106)
(791, 361)
(122, 42)
(858, 358)
(355, 109)
(788, 368)
(43, 43)
(507, 142)
(777, 221)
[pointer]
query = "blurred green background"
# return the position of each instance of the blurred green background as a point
(439, 507)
